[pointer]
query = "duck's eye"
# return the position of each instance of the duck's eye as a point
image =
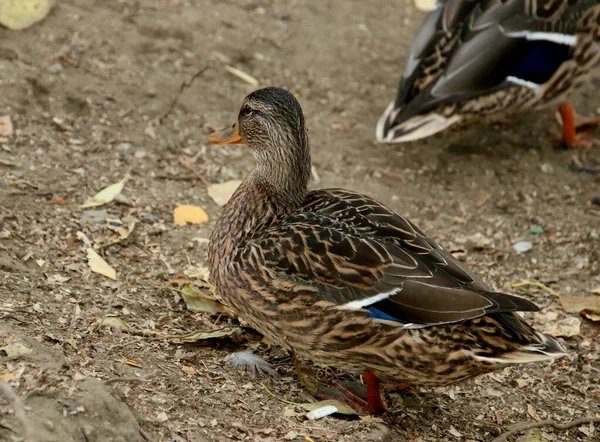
(247, 110)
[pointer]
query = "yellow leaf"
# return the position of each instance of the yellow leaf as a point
(6, 127)
(189, 214)
(20, 14)
(6, 377)
(98, 265)
(189, 370)
(221, 193)
(106, 195)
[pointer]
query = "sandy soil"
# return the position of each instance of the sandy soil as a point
(88, 89)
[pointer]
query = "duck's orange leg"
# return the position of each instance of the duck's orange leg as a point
(376, 403)
(570, 137)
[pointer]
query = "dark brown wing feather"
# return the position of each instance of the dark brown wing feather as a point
(347, 248)
(467, 48)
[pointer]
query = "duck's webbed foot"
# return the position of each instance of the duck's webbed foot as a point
(577, 130)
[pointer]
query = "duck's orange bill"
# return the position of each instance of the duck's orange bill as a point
(230, 135)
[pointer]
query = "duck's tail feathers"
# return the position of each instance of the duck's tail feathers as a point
(544, 349)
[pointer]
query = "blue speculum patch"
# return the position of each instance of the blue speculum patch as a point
(541, 59)
(378, 314)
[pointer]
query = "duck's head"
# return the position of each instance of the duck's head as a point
(271, 123)
(269, 119)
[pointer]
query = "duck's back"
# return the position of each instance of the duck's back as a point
(481, 58)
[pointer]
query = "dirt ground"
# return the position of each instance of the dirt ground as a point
(89, 91)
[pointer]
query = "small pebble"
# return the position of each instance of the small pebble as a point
(55, 68)
(522, 246)
(124, 147)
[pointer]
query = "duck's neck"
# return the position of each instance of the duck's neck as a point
(276, 188)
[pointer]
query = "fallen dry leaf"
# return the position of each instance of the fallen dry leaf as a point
(7, 377)
(15, 350)
(565, 327)
(425, 5)
(591, 316)
(189, 214)
(20, 14)
(106, 195)
(586, 306)
(221, 193)
(113, 321)
(187, 369)
(6, 127)
(197, 300)
(201, 273)
(98, 265)
(204, 334)
(577, 304)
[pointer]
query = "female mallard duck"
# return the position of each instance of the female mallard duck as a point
(488, 59)
(344, 281)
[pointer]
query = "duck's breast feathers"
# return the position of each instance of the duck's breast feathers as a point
(466, 49)
(348, 251)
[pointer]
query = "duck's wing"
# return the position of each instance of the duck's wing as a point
(352, 252)
(469, 48)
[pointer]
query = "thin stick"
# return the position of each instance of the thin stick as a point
(184, 86)
(185, 163)
(548, 422)
(125, 379)
(18, 406)
(515, 285)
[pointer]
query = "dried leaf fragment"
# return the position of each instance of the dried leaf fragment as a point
(106, 195)
(565, 327)
(189, 214)
(6, 127)
(222, 192)
(98, 265)
(113, 321)
(20, 14)
(15, 350)
(202, 335)
(197, 300)
(425, 5)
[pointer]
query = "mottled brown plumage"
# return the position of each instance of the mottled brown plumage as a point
(477, 60)
(343, 280)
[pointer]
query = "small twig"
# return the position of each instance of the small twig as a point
(125, 379)
(184, 86)
(514, 285)
(145, 436)
(548, 422)
(185, 163)
(18, 407)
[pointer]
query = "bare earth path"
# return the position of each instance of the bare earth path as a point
(85, 90)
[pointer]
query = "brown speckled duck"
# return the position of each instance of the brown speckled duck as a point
(344, 281)
(477, 60)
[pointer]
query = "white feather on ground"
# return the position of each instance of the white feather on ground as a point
(250, 362)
